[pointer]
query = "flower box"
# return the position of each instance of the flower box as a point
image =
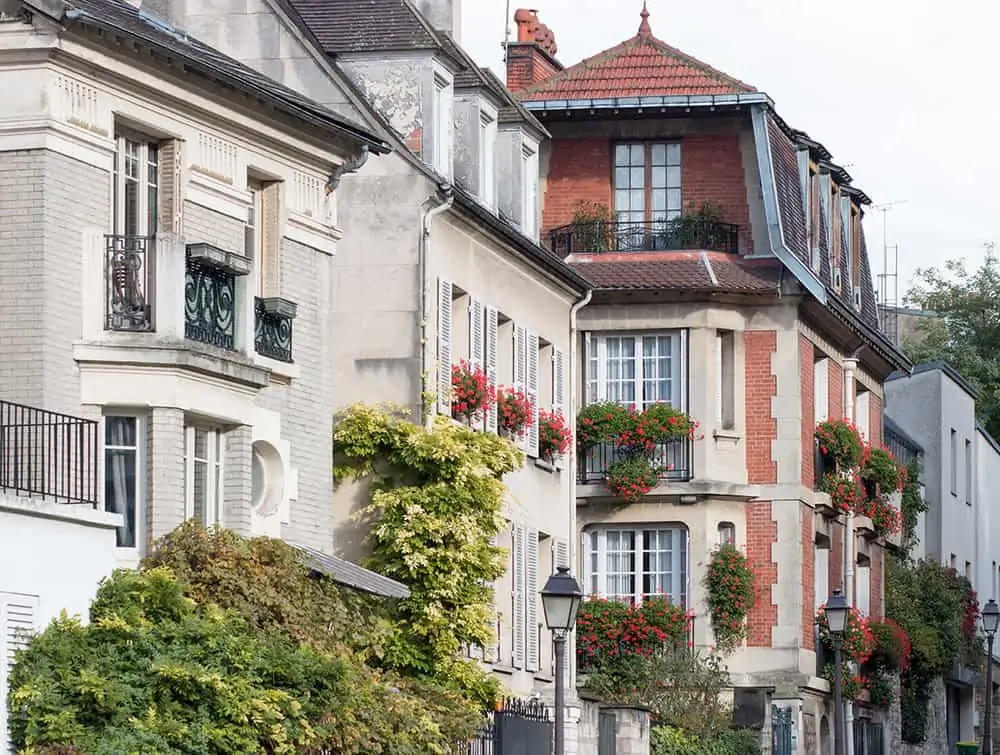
(864, 527)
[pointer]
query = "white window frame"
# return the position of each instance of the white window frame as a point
(968, 472)
(443, 108)
(145, 148)
(530, 208)
(596, 365)
(953, 461)
(595, 550)
(253, 242)
(487, 157)
(214, 460)
(138, 550)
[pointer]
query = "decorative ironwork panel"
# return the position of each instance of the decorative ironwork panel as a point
(673, 460)
(595, 237)
(781, 730)
(128, 283)
(607, 733)
(272, 333)
(869, 737)
(209, 305)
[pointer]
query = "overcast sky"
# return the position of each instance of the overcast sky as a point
(904, 93)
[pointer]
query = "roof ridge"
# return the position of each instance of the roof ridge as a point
(687, 57)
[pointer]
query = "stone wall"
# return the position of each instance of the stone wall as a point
(981, 712)
(937, 726)
(631, 729)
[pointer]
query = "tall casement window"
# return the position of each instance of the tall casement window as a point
(647, 181)
(203, 452)
(122, 476)
(253, 235)
(136, 186)
(633, 564)
(639, 369)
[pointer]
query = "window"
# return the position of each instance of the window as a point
(647, 182)
(862, 411)
(968, 472)
(136, 186)
(524, 569)
(968, 570)
(487, 158)
(953, 561)
(526, 362)
(203, 454)
(725, 377)
(821, 576)
(727, 533)
(630, 565)
(529, 160)
(863, 584)
(442, 111)
(637, 369)
(122, 466)
(814, 217)
(845, 229)
(821, 388)
(253, 235)
(953, 460)
(855, 246)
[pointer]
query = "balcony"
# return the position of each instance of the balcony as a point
(273, 328)
(672, 459)
(681, 234)
(209, 303)
(48, 455)
(129, 283)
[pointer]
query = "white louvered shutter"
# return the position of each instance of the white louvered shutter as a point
(521, 371)
(559, 389)
(491, 365)
(444, 347)
(17, 624)
(718, 380)
(560, 552)
(477, 341)
(531, 599)
(532, 361)
(517, 579)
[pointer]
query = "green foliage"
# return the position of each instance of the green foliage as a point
(610, 632)
(966, 332)
(731, 586)
(436, 500)
(668, 740)
(912, 506)
(840, 442)
(161, 668)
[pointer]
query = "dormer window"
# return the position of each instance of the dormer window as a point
(529, 166)
(443, 98)
(487, 158)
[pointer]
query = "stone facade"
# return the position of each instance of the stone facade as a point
(630, 729)
(937, 727)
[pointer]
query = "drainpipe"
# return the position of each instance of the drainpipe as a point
(850, 365)
(423, 249)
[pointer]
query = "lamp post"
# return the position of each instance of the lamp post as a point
(991, 620)
(837, 611)
(561, 598)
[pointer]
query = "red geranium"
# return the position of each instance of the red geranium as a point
(471, 392)
(554, 437)
(514, 412)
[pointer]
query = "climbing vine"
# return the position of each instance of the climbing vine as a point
(436, 499)
(730, 583)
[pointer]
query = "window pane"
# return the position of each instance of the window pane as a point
(620, 565)
(673, 199)
(659, 154)
(638, 202)
(673, 177)
(659, 201)
(621, 200)
(637, 154)
(658, 178)
(120, 470)
(673, 154)
(657, 379)
(621, 154)
(621, 178)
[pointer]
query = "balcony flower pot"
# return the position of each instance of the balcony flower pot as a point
(554, 436)
(515, 412)
(471, 392)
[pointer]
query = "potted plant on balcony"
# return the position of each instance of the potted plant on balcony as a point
(514, 412)
(554, 436)
(471, 392)
(880, 469)
(593, 227)
(845, 493)
(600, 422)
(631, 477)
(666, 423)
(840, 444)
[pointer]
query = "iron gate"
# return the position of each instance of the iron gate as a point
(868, 737)
(607, 733)
(518, 727)
(781, 731)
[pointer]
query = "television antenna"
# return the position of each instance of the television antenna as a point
(888, 279)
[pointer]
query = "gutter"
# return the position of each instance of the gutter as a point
(668, 101)
(423, 250)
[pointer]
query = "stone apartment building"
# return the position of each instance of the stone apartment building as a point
(731, 279)
(167, 234)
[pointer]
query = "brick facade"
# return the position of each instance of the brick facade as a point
(875, 419)
(806, 371)
(579, 171)
(836, 391)
(762, 533)
(761, 386)
(528, 64)
(808, 577)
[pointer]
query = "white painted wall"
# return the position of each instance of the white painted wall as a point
(986, 578)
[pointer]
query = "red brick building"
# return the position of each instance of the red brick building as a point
(732, 280)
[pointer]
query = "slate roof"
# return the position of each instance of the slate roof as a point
(200, 59)
(346, 26)
(638, 67)
(715, 272)
(350, 574)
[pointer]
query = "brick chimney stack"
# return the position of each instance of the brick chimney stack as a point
(532, 57)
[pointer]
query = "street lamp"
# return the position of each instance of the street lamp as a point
(837, 611)
(991, 620)
(561, 598)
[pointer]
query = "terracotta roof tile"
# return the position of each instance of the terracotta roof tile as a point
(678, 271)
(641, 66)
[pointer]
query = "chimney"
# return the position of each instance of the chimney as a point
(532, 58)
(443, 15)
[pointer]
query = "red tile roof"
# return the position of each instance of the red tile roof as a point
(638, 67)
(716, 272)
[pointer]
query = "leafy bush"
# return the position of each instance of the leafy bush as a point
(840, 442)
(668, 740)
(609, 630)
(731, 585)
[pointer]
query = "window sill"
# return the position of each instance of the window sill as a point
(277, 368)
(545, 466)
(500, 668)
(543, 678)
(727, 437)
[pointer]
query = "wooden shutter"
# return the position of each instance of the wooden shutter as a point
(518, 583)
(477, 341)
(170, 189)
(560, 552)
(532, 361)
(531, 599)
(444, 347)
(521, 370)
(491, 364)
(559, 389)
(17, 624)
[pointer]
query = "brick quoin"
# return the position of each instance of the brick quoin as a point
(836, 567)
(762, 533)
(836, 392)
(761, 386)
(875, 419)
(808, 577)
(806, 372)
(877, 610)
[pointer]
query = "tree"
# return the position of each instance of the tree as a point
(966, 332)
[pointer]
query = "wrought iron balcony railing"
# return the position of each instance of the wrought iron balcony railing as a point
(595, 237)
(48, 455)
(673, 459)
(273, 328)
(128, 272)
(209, 304)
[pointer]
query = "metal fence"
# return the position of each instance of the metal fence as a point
(672, 459)
(782, 725)
(869, 738)
(517, 727)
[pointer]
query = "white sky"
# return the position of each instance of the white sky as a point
(902, 92)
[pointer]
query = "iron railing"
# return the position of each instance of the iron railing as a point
(673, 459)
(128, 272)
(49, 455)
(209, 304)
(869, 737)
(517, 726)
(595, 237)
(272, 332)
